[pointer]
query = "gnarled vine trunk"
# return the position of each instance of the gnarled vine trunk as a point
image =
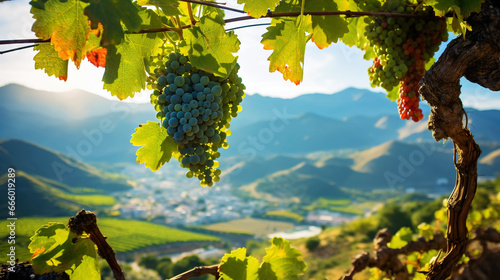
(477, 58)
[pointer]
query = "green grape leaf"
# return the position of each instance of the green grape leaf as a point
(237, 266)
(169, 7)
(401, 238)
(441, 7)
(157, 147)
(257, 9)
(44, 237)
(111, 14)
(64, 24)
(426, 231)
(93, 40)
(343, 5)
(209, 47)
(57, 249)
(282, 262)
(325, 29)
(88, 268)
(125, 72)
(48, 60)
(458, 25)
(287, 39)
(356, 35)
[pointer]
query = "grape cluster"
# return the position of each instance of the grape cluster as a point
(402, 46)
(195, 107)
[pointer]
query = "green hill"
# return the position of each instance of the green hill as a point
(393, 165)
(39, 161)
(122, 235)
(38, 196)
(288, 185)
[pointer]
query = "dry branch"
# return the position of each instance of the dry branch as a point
(86, 221)
(387, 259)
(198, 271)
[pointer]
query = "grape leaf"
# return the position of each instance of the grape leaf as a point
(426, 231)
(441, 7)
(48, 60)
(282, 262)
(64, 251)
(356, 35)
(169, 7)
(64, 24)
(209, 47)
(93, 39)
(125, 72)
(288, 38)
(401, 238)
(157, 147)
(237, 266)
(111, 13)
(343, 5)
(325, 29)
(258, 8)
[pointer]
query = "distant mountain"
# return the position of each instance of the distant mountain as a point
(38, 161)
(425, 166)
(347, 103)
(61, 106)
(352, 119)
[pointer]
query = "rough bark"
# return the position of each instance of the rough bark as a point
(476, 57)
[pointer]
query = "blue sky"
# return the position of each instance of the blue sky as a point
(326, 71)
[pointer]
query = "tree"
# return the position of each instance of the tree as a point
(134, 43)
(391, 216)
(312, 243)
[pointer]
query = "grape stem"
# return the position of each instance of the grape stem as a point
(198, 271)
(190, 12)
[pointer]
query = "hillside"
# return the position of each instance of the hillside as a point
(424, 166)
(42, 162)
(38, 196)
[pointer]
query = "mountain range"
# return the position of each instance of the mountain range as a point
(50, 183)
(301, 148)
(94, 129)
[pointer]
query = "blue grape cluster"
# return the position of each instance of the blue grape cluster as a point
(195, 107)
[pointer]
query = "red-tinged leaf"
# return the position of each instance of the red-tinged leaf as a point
(64, 23)
(98, 57)
(63, 78)
(288, 40)
(37, 252)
